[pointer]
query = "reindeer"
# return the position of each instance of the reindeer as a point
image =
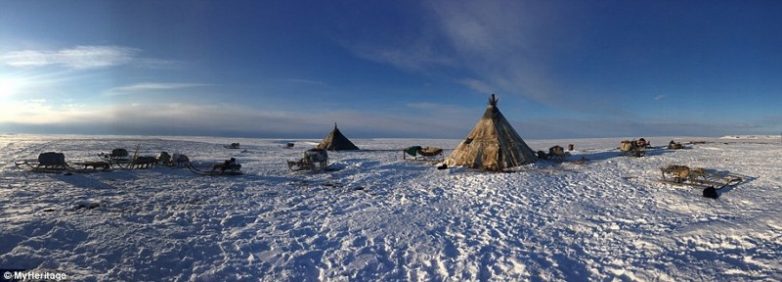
(180, 160)
(164, 158)
(143, 162)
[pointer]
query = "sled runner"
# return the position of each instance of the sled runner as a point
(94, 166)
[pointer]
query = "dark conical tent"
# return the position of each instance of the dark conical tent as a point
(492, 144)
(335, 141)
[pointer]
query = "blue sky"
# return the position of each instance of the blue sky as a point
(286, 69)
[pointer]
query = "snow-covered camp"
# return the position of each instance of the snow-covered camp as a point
(335, 141)
(492, 144)
(384, 218)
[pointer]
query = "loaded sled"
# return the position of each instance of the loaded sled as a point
(118, 157)
(419, 153)
(556, 153)
(698, 177)
(636, 148)
(313, 159)
(227, 167)
(46, 162)
(55, 163)
(675, 146)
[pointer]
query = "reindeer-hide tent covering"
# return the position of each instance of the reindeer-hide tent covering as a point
(335, 141)
(492, 144)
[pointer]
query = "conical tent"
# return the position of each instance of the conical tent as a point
(335, 141)
(492, 144)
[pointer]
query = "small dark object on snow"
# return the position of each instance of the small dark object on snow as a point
(581, 161)
(571, 147)
(442, 166)
(233, 146)
(119, 152)
(710, 192)
(227, 167)
(88, 206)
(289, 145)
(230, 165)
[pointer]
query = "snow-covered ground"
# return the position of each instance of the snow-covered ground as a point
(381, 218)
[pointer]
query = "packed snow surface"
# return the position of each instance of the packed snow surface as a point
(383, 218)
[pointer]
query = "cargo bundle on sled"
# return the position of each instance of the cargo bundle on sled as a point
(313, 159)
(698, 177)
(46, 162)
(419, 153)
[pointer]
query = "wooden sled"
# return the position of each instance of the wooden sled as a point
(426, 154)
(50, 162)
(635, 148)
(118, 157)
(227, 168)
(92, 166)
(312, 159)
(34, 166)
(698, 177)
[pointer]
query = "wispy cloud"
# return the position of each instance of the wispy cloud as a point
(305, 81)
(503, 47)
(81, 58)
(659, 97)
(500, 42)
(146, 87)
(478, 85)
(411, 56)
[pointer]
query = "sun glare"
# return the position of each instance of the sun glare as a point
(10, 86)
